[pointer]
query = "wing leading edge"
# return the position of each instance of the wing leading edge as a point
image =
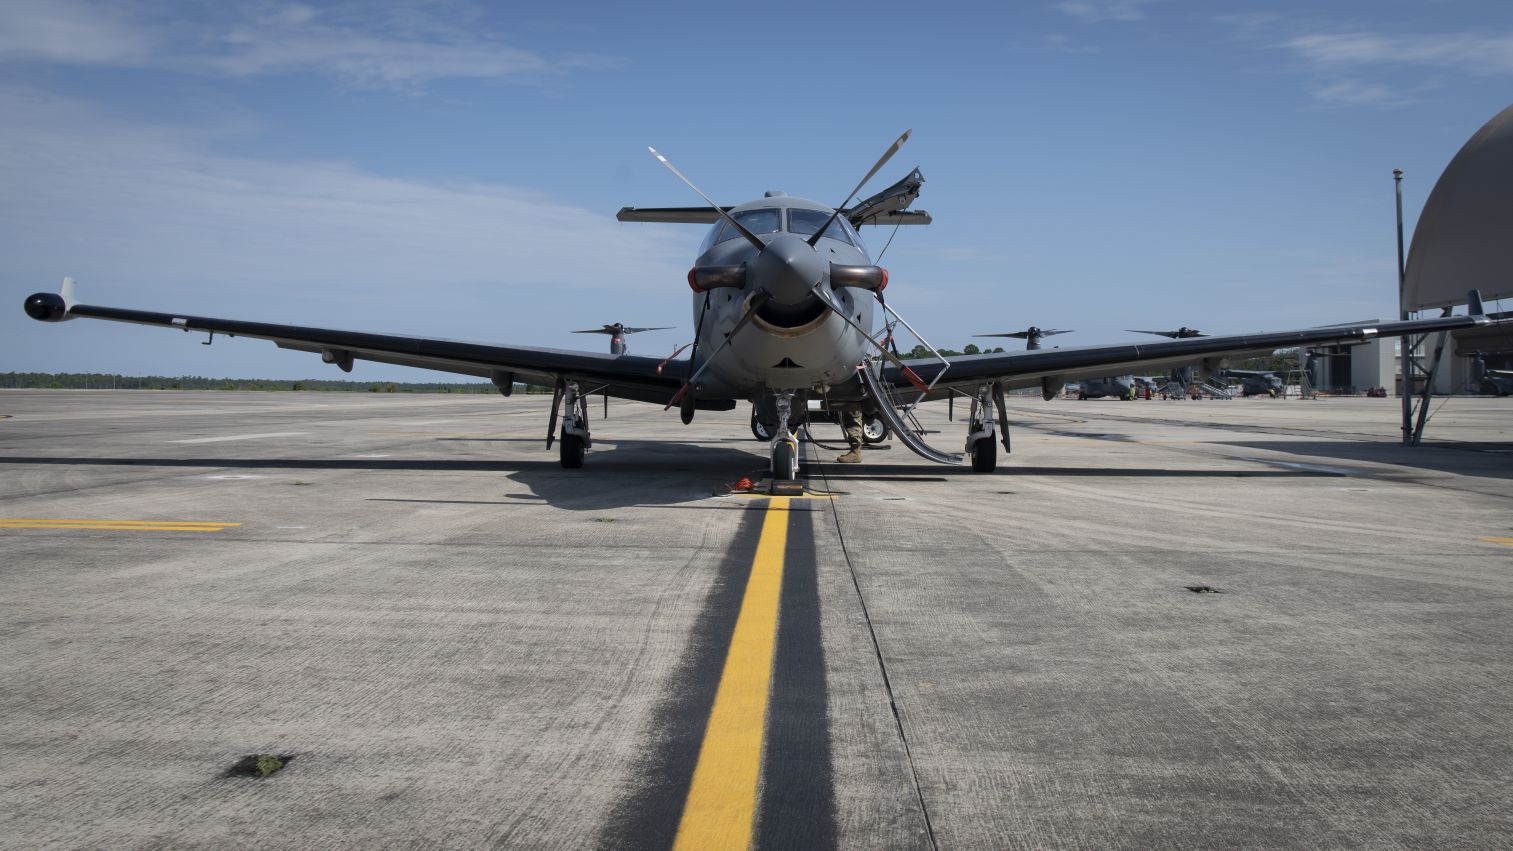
(643, 379)
(1050, 368)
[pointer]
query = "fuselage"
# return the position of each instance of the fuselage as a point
(795, 341)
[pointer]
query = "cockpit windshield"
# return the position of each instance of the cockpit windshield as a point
(806, 222)
(759, 221)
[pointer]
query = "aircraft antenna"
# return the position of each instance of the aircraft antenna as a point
(879, 259)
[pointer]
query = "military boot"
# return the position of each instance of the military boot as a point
(852, 457)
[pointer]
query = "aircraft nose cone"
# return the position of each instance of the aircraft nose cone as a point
(788, 270)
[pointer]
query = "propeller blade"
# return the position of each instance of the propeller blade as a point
(598, 331)
(887, 155)
(639, 330)
(1018, 335)
(740, 228)
(756, 304)
(911, 375)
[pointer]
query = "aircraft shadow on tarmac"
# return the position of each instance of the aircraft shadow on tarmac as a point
(620, 474)
(1486, 460)
(902, 472)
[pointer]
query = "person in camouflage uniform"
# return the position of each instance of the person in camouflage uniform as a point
(852, 421)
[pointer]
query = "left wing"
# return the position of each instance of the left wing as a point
(643, 379)
(1049, 369)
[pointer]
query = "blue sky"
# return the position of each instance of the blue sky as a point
(452, 169)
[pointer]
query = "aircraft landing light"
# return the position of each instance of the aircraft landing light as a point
(119, 525)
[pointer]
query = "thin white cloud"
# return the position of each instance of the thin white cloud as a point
(1099, 11)
(154, 211)
(1064, 44)
(1359, 93)
(71, 32)
(1474, 53)
(368, 45)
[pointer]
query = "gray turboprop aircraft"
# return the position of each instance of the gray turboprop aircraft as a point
(785, 302)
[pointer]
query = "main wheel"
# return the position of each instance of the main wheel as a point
(572, 451)
(984, 454)
(760, 430)
(874, 430)
(782, 462)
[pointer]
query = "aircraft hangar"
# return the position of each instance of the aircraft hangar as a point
(1460, 244)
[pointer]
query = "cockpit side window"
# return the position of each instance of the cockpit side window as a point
(806, 222)
(760, 221)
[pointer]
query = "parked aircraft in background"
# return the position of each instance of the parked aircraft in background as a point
(787, 308)
(1182, 333)
(1490, 382)
(617, 334)
(1031, 336)
(1256, 382)
(1119, 387)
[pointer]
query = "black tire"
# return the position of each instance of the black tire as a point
(572, 451)
(875, 430)
(761, 431)
(1081, 397)
(984, 455)
(782, 462)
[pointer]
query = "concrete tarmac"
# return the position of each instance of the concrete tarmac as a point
(456, 643)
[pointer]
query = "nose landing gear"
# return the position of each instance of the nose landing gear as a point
(784, 448)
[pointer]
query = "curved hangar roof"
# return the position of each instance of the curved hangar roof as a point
(1464, 238)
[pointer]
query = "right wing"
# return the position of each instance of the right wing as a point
(642, 379)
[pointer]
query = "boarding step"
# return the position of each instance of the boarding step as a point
(908, 433)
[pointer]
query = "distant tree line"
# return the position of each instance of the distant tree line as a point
(108, 381)
(920, 351)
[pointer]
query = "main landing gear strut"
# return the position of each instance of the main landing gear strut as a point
(575, 437)
(981, 447)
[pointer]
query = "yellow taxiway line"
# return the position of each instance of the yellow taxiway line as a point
(722, 798)
(143, 525)
(1507, 542)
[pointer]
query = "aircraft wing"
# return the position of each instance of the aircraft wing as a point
(645, 379)
(1049, 369)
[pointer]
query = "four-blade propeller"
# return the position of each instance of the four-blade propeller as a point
(785, 271)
